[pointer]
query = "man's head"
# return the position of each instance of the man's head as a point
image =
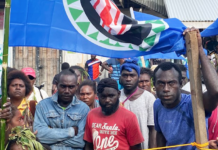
(66, 85)
(87, 92)
(30, 73)
(108, 95)
(130, 72)
(145, 79)
(93, 57)
(65, 65)
(184, 75)
(168, 81)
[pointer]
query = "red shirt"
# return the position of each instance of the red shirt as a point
(213, 125)
(118, 131)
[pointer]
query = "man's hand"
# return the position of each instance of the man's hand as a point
(198, 35)
(76, 130)
(213, 144)
(6, 113)
(100, 73)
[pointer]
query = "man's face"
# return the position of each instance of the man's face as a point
(167, 87)
(17, 89)
(87, 95)
(145, 82)
(109, 100)
(93, 57)
(184, 78)
(66, 87)
(129, 80)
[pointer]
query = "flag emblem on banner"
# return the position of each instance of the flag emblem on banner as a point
(102, 23)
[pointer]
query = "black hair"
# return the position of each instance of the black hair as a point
(146, 71)
(65, 65)
(107, 82)
(90, 83)
(167, 66)
(16, 74)
(67, 72)
(9, 69)
(182, 67)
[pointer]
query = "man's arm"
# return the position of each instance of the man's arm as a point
(105, 66)
(48, 135)
(152, 137)
(160, 139)
(136, 147)
(77, 141)
(89, 146)
(210, 98)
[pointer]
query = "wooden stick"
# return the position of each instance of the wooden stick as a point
(4, 70)
(196, 87)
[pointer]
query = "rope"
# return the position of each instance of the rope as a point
(199, 146)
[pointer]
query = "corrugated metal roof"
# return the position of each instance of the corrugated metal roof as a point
(192, 10)
(156, 5)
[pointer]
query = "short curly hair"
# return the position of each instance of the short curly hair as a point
(16, 74)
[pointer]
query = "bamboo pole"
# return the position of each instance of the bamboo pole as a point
(196, 87)
(4, 69)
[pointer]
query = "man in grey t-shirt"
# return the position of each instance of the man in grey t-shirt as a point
(139, 101)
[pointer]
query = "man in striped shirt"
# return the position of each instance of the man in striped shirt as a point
(92, 67)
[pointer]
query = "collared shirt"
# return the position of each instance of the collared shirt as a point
(55, 125)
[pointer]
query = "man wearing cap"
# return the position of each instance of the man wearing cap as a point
(111, 126)
(36, 94)
(138, 100)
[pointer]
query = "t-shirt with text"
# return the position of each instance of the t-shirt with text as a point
(118, 131)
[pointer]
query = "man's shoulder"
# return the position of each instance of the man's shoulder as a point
(186, 97)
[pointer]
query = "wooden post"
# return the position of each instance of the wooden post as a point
(196, 87)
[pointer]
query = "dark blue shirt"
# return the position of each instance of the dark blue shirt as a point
(176, 124)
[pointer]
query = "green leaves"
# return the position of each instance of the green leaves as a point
(25, 138)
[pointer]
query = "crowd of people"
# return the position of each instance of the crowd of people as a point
(134, 109)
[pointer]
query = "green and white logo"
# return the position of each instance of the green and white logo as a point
(82, 24)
